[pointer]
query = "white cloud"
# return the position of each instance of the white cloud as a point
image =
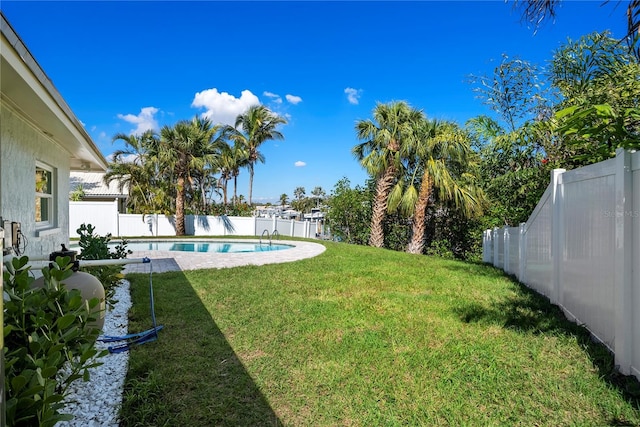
(300, 164)
(222, 107)
(293, 99)
(274, 96)
(353, 95)
(127, 158)
(145, 120)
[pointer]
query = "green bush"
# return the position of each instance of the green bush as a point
(45, 329)
(94, 247)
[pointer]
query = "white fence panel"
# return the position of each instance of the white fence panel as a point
(498, 248)
(102, 215)
(512, 260)
(587, 265)
(537, 246)
(133, 225)
(635, 262)
(283, 226)
(244, 226)
(206, 225)
(264, 224)
(300, 228)
(106, 219)
(487, 246)
(166, 225)
(581, 248)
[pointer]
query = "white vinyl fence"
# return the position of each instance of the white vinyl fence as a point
(105, 218)
(581, 249)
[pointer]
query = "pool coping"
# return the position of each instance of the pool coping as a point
(162, 261)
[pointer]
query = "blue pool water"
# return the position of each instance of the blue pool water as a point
(209, 247)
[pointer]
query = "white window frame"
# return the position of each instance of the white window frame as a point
(49, 196)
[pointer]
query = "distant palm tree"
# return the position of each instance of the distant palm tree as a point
(232, 158)
(133, 168)
(299, 193)
(187, 148)
(240, 160)
(284, 199)
(253, 127)
(318, 193)
(438, 153)
(386, 139)
(226, 161)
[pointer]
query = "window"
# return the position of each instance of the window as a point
(44, 195)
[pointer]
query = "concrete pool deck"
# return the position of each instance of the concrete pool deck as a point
(162, 261)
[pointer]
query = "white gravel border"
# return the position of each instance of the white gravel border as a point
(96, 403)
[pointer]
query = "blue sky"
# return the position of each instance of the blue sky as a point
(127, 66)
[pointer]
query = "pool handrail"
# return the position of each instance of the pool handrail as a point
(268, 236)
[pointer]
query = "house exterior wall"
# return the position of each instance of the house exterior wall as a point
(21, 146)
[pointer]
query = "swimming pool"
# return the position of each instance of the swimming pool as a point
(204, 247)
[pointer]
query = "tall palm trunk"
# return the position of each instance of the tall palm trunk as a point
(180, 197)
(224, 191)
(416, 245)
(235, 188)
(250, 181)
(383, 187)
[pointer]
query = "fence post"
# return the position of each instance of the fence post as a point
(557, 235)
(495, 246)
(623, 280)
(522, 254)
(116, 211)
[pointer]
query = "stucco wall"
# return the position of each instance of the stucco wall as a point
(21, 145)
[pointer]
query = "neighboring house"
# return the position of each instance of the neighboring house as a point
(95, 190)
(41, 141)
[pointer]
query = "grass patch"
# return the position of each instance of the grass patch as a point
(360, 336)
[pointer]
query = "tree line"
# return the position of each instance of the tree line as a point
(435, 185)
(183, 167)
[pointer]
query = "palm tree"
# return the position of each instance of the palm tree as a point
(299, 193)
(439, 153)
(240, 158)
(134, 169)
(187, 148)
(284, 199)
(386, 139)
(537, 11)
(255, 126)
(205, 186)
(225, 172)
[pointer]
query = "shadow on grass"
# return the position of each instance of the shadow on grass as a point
(530, 312)
(191, 376)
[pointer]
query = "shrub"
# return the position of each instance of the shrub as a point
(94, 247)
(45, 330)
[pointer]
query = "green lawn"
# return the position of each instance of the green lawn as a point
(365, 337)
